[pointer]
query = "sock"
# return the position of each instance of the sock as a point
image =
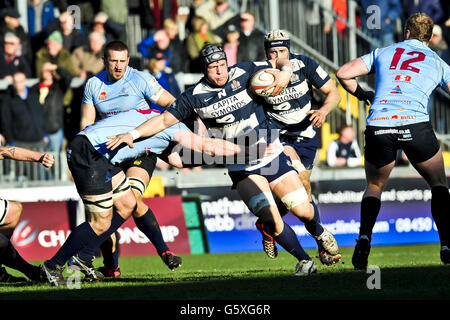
(88, 252)
(280, 205)
(370, 207)
(289, 241)
(11, 258)
(440, 198)
(110, 252)
(313, 226)
(80, 237)
(150, 227)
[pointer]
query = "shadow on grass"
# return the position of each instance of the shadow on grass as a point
(430, 282)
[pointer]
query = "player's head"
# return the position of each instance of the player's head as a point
(419, 26)
(213, 61)
(277, 44)
(116, 59)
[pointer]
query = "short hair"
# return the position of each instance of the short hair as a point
(420, 27)
(10, 35)
(115, 45)
(101, 35)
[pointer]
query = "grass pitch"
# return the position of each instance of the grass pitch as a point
(405, 272)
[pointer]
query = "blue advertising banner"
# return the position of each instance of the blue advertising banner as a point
(404, 218)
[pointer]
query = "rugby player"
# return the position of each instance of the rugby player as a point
(116, 89)
(102, 183)
(291, 112)
(10, 212)
(225, 105)
(407, 73)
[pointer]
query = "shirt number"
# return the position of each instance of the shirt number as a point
(406, 65)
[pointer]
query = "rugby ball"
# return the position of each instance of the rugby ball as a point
(261, 80)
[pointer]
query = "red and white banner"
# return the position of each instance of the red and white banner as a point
(44, 226)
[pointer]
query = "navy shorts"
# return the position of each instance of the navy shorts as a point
(418, 141)
(271, 171)
(146, 162)
(91, 171)
(306, 148)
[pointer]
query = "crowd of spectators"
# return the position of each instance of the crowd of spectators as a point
(62, 43)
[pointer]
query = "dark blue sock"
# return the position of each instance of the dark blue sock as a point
(80, 237)
(88, 252)
(289, 241)
(150, 227)
(313, 226)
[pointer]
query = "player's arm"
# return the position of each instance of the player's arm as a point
(147, 129)
(22, 154)
(87, 115)
(282, 77)
(166, 99)
(347, 77)
(211, 146)
(332, 99)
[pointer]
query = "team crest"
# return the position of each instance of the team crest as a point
(102, 96)
(235, 85)
(295, 78)
(137, 162)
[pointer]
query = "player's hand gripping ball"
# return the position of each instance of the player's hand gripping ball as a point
(261, 80)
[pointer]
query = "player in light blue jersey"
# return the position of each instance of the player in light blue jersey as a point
(291, 111)
(407, 73)
(228, 108)
(103, 186)
(117, 89)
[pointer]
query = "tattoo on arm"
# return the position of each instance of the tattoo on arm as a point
(7, 152)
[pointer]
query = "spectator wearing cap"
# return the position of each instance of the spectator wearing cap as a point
(11, 23)
(65, 24)
(166, 77)
(87, 60)
(231, 44)
(197, 39)
(11, 60)
(250, 40)
(438, 44)
(55, 53)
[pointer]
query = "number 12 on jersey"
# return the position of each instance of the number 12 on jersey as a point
(406, 65)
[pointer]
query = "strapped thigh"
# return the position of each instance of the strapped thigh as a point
(98, 203)
(122, 187)
(4, 207)
(137, 184)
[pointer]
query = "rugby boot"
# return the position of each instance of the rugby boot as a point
(269, 243)
(328, 248)
(86, 267)
(361, 254)
(110, 272)
(305, 268)
(172, 261)
(54, 276)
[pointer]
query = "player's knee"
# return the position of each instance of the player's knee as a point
(297, 202)
(14, 213)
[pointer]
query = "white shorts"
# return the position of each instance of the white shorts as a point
(4, 207)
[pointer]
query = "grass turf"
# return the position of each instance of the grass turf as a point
(406, 272)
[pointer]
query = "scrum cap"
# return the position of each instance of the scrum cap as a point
(276, 38)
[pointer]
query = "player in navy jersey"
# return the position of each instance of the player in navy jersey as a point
(116, 89)
(291, 112)
(102, 184)
(227, 108)
(407, 73)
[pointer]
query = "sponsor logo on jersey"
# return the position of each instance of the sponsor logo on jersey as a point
(402, 77)
(396, 90)
(102, 96)
(137, 162)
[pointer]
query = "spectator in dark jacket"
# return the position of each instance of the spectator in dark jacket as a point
(11, 60)
(22, 116)
(40, 13)
(54, 83)
(250, 40)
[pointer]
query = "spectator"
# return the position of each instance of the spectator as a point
(40, 13)
(22, 117)
(116, 10)
(438, 44)
(167, 40)
(10, 59)
(87, 60)
(390, 11)
(345, 150)
(53, 84)
(231, 44)
(250, 39)
(109, 28)
(155, 12)
(72, 38)
(11, 23)
(197, 39)
(432, 8)
(215, 12)
(166, 78)
(55, 53)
